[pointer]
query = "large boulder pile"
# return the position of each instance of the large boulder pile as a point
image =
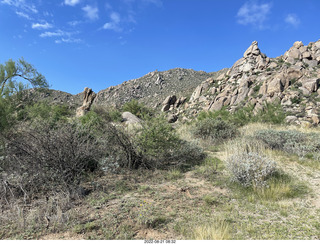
(292, 79)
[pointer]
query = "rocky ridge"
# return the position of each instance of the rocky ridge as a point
(291, 79)
(153, 88)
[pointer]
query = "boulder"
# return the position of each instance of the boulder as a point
(180, 101)
(306, 55)
(130, 118)
(172, 118)
(168, 102)
(305, 91)
(311, 85)
(165, 108)
(291, 119)
(310, 63)
(294, 53)
(298, 44)
(218, 104)
(275, 86)
(315, 119)
(197, 93)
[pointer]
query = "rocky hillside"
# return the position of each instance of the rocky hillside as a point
(291, 79)
(154, 87)
(53, 97)
(150, 89)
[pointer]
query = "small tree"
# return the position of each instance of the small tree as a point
(12, 70)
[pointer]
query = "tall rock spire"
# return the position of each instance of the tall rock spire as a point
(253, 50)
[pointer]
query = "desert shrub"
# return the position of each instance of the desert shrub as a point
(92, 121)
(108, 114)
(185, 155)
(138, 109)
(243, 115)
(159, 145)
(44, 111)
(222, 114)
(157, 137)
(280, 139)
(214, 129)
(41, 159)
(305, 145)
(272, 113)
(122, 151)
(250, 169)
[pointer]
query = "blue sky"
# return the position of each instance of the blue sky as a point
(100, 43)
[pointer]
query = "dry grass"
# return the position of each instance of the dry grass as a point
(217, 230)
(244, 145)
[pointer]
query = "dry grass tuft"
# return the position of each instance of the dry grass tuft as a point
(218, 230)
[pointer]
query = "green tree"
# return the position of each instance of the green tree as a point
(11, 71)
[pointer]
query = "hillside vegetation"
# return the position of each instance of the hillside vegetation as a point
(213, 178)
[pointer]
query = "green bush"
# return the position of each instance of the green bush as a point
(92, 120)
(160, 146)
(273, 113)
(214, 129)
(157, 137)
(138, 109)
(110, 115)
(44, 111)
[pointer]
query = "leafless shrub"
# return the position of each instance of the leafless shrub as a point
(40, 159)
(122, 150)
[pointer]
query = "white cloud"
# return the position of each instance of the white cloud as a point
(292, 19)
(252, 13)
(68, 40)
(115, 17)
(91, 12)
(56, 33)
(21, 4)
(23, 15)
(41, 26)
(71, 2)
(114, 24)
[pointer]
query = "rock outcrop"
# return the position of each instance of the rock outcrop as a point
(88, 98)
(292, 79)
